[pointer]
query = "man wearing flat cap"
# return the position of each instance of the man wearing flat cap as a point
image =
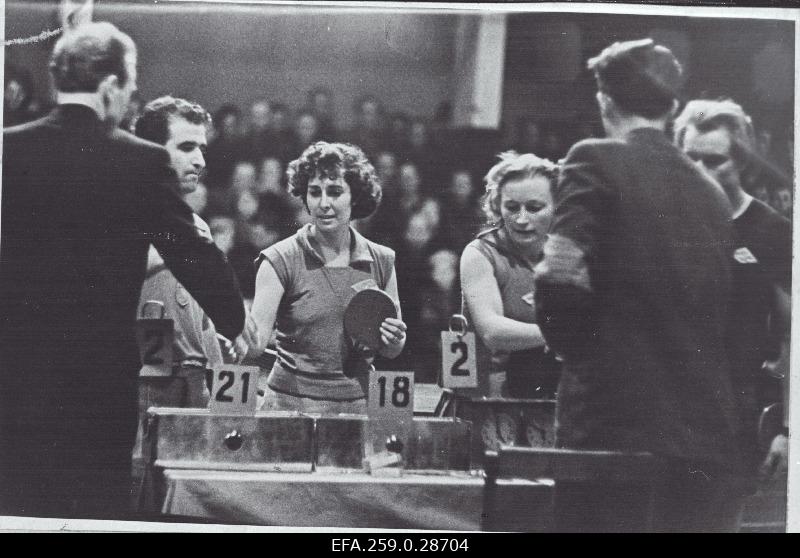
(632, 293)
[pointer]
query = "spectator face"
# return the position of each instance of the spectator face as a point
(386, 165)
(230, 125)
(306, 129)
(259, 115)
(760, 192)
(14, 96)
(443, 269)
(370, 114)
(419, 231)
(432, 211)
(409, 179)
(329, 201)
(532, 136)
(783, 201)
(223, 231)
(711, 151)
(399, 128)
(280, 120)
(461, 187)
(271, 175)
(246, 205)
(186, 144)
(419, 134)
(244, 176)
(321, 103)
(526, 207)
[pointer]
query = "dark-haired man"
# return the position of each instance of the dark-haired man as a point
(181, 127)
(82, 201)
(633, 293)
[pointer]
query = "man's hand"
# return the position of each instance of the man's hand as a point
(228, 350)
(564, 263)
(246, 345)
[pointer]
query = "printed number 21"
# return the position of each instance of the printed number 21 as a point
(228, 378)
(400, 395)
(455, 370)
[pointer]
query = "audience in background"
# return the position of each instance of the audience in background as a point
(258, 141)
(320, 104)
(225, 148)
(430, 200)
(369, 131)
(306, 132)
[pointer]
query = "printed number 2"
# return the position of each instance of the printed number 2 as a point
(153, 341)
(228, 377)
(455, 370)
(400, 395)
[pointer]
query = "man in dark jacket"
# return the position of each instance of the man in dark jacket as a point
(719, 137)
(81, 203)
(633, 293)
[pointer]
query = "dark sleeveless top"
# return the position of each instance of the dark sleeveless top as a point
(530, 372)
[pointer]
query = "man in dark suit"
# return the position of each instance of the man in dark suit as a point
(81, 203)
(633, 293)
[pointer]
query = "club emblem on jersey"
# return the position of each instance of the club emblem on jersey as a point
(744, 256)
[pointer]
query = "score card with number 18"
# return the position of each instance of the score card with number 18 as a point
(390, 408)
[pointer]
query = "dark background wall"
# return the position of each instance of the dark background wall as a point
(217, 53)
(750, 60)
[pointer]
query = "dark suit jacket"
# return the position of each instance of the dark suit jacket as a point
(80, 205)
(645, 362)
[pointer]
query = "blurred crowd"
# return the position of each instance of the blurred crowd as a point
(431, 187)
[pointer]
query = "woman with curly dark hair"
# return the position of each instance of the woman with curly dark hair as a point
(305, 282)
(497, 275)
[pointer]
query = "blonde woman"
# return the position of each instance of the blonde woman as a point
(497, 274)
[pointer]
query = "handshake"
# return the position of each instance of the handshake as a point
(245, 348)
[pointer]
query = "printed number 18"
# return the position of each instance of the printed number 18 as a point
(400, 395)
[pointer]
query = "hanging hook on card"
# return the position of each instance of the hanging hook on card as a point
(458, 324)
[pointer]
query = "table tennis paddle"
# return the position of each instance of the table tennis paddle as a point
(365, 314)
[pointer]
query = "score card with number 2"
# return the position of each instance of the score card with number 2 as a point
(459, 367)
(155, 338)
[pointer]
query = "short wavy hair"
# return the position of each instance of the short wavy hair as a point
(358, 172)
(153, 124)
(708, 115)
(513, 166)
(84, 56)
